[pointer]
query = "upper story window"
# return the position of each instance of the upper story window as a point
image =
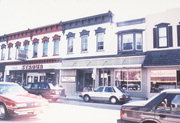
(162, 35)
(35, 47)
(70, 43)
(45, 46)
(56, 40)
(26, 47)
(84, 40)
(178, 34)
(130, 40)
(3, 48)
(100, 32)
(18, 45)
(10, 45)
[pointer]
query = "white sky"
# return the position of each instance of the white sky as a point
(17, 15)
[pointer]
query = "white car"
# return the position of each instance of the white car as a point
(106, 93)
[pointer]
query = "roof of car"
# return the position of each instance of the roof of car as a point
(171, 91)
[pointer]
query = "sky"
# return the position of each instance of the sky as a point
(18, 15)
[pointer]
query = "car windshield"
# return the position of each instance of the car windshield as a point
(11, 88)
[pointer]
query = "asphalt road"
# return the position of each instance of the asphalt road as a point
(66, 111)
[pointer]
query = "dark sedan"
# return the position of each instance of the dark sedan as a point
(46, 90)
(163, 108)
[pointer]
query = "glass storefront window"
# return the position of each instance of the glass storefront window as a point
(162, 79)
(128, 79)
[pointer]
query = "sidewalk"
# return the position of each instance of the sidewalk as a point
(77, 98)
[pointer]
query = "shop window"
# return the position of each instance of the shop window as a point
(128, 79)
(162, 79)
(162, 35)
(104, 77)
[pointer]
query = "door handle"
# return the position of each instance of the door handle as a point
(162, 116)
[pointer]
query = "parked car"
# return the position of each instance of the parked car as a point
(106, 93)
(14, 100)
(46, 90)
(162, 108)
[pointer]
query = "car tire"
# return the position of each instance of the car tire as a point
(3, 112)
(113, 100)
(86, 98)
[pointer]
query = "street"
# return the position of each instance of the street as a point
(73, 112)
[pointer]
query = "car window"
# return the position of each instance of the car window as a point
(27, 86)
(100, 89)
(43, 86)
(11, 88)
(34, 86)
(169, 104)
(175, 104)
(109, 89)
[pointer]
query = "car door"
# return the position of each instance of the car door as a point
(97, 94)
(43, 89)
(34, 88)
(168, 111)
(108, 92)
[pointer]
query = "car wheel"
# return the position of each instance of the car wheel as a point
(113, 100)
(87, 98)
(3, 112)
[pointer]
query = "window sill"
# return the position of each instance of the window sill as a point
(45, 56)
(55, 54)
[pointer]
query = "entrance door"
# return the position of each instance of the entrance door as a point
(35, 77)
(88, 80)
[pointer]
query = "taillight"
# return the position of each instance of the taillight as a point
(121, 113)
(53, 92)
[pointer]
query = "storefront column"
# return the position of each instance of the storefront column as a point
(96, 79)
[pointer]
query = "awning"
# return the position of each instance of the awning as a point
(114, 62)
(162, 58)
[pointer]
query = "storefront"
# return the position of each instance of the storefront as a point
(163, 70)
(34, 71)
(125, 72)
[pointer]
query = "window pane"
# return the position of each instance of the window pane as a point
(162, 32)
(163, 37)
(100, 41)
(26, 49)
(70, 45)
(56, 46)
(163, 42)
(84, 42)
(129, 79)
(35, 50)
(138, 41)
(127, 41)
(45, 48)
(162, 79)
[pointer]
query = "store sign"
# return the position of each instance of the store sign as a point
(32, 67)
(21, 55)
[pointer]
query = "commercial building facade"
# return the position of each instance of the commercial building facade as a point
(31, 55)
(141, 55)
